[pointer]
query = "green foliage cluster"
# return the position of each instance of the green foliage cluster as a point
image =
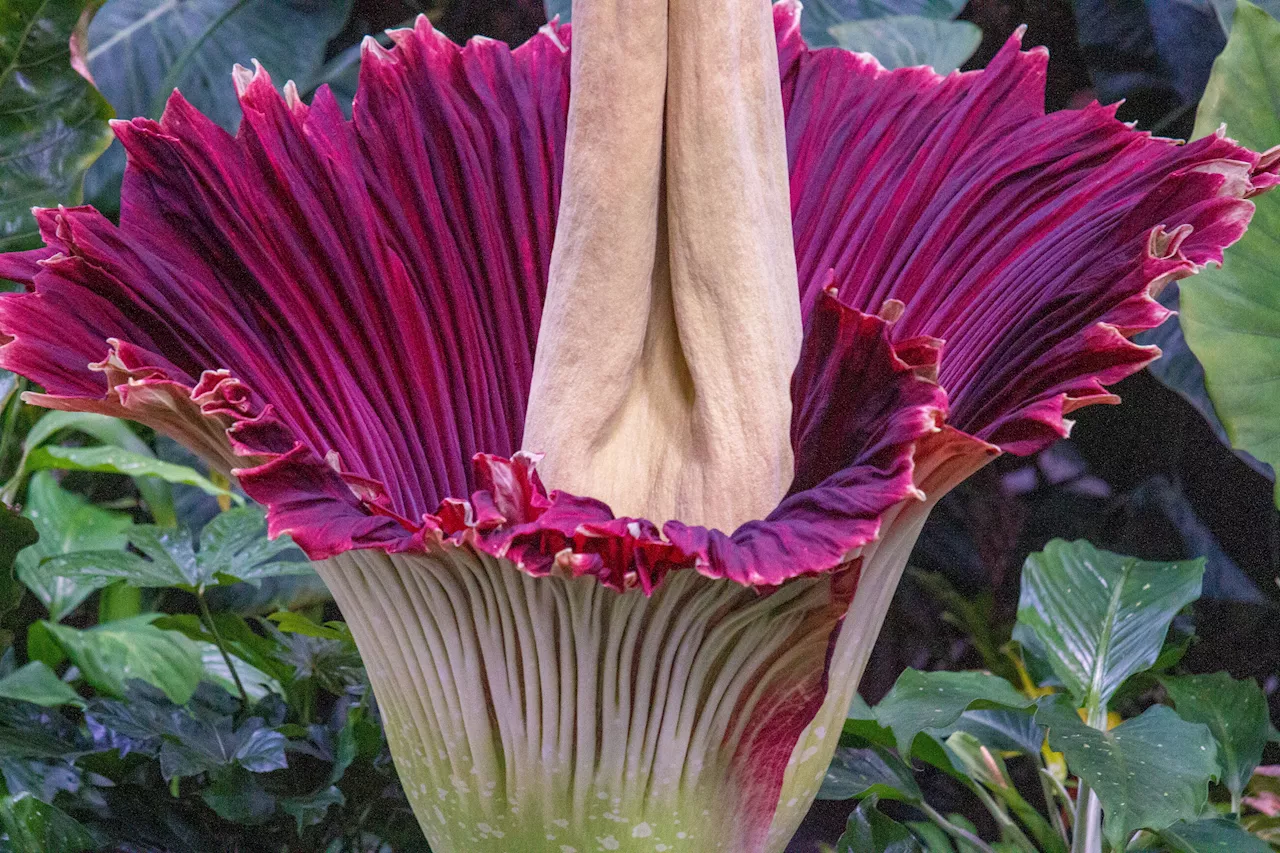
(1090, 637)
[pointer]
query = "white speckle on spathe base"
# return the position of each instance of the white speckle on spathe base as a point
(608, 843)
(820, 732)
(561, 822)
(641, 830)
(682, 835)
(809, 753)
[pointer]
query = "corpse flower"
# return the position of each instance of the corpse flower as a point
(748, 309)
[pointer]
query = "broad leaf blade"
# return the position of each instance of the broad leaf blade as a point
(931, 700)
(1148, 772)
(112, 654)
(1211, 836)
(16, 534)
(871, 771)
(904, 41)
(869, 830)
(1098, 617)
(1235, 712)
(1231, 315)
(67, 524)
(141, 50)
(115, 460)
(38, 684)
(32, 825)
(53, 123)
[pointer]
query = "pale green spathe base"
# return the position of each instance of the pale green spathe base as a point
(551, 713)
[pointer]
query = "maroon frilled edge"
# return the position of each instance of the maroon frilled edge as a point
(345, 311)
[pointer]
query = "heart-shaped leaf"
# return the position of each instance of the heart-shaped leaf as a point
(53, 123)
(67, 524)
(1235, 711)
(1148, 772)
(933, 700)
(114, 653)
(1098, 617)
(1231, 315)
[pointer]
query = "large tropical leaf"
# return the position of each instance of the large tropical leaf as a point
(67, 524)
(38, 684)
(933, 700)
(53, 123)
(31, 825)
(141, 50)
(1235, 711)
(1217, 835)
(873, 770)
(1231, 315)
(233, 548)
(870, 830)
(16, 533)
(902, 41)
(108, 431)
(111, 655)
(1148, 772)
(1098, 617)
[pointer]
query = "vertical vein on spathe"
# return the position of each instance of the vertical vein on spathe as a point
(522, 707)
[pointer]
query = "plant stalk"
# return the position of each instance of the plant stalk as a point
(958, 832)
(1088, 821)
(207, 616)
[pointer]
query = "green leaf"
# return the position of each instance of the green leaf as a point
(871, 771)
(114, 460)
(112, 654)
(53, 123)
(234, 548)
(904, 41)
(1211, 836)
(1098, 617)
(37, 683)
(1148, 772)
(931, 700)
(16, 534)
(562, 8)
(1237, 715)
(1231, 316)
(292, 622)
(311, 809)
(35, 826)
(241, 641)
(988, 769)
(869, 831)
(999, 730)
(111, 431)
(67, 524)
(256, 682)
(141, 50)
(235, 795)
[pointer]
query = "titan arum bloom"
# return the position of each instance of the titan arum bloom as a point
(759, 307)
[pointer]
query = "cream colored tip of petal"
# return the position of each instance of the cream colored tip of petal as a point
(672, 320)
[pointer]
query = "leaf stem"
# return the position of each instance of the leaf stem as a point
(207, 616)
(1088, 820)
(954, 830)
